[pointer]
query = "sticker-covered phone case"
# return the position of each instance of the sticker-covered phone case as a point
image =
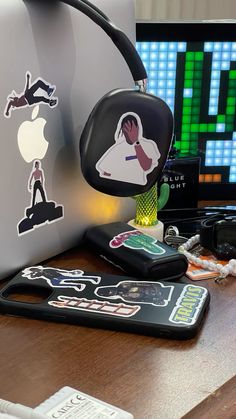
(173, 310)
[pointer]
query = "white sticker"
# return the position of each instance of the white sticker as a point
(132, 157)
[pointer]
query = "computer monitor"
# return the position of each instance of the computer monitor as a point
(192, 66)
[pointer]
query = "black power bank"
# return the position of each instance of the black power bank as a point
(136, 253)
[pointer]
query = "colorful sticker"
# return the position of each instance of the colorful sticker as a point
(135, 239)
(142, 292)
(38, 91)
(33, 147)
(132, 157)
(41, 211)
(188, 305)
(61, 278)
(95, 306)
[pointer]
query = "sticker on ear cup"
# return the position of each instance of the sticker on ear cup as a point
(61, 278)
(35, 92)
(95, 306)
(132, 157)
(141, 292)
(188, 305)
(41, 211)
(135, 239)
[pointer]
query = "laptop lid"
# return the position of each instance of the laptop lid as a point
(56, 64)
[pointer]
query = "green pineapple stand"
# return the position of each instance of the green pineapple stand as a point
(147, 206)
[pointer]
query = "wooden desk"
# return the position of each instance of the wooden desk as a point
(152, 378)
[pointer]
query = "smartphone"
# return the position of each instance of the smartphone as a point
(95, 299)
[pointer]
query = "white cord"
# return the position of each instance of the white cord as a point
(19, 411)
(224, 270)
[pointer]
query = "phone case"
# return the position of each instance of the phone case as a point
(136, 253)
(173, 310)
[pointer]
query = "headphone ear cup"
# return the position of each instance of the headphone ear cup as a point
(125, 142)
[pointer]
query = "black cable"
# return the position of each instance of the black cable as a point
(192, 225)
(185, 214)
(118, 37)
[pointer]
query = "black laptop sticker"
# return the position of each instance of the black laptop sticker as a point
(38, 91)
(142, 292)
(132, 157)
(41, 211)
(61, 278)
(135, 239)
(95, 306)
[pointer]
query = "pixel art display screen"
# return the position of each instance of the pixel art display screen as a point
(192, 66)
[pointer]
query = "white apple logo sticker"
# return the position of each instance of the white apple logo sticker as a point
(31, 141)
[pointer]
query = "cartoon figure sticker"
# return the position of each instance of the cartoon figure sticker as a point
(30, 97)
(37, 177)
(61, 278)
(188, 305)
(95, 306)
(135, 239)
(40, 212)
(33, 147)
(142, 292)
(132, 157)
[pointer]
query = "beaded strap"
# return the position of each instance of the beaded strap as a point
(224, 270)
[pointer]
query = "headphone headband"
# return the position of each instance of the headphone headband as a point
(118, 37)
(96, 9)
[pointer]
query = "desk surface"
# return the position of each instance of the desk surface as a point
(149, 377)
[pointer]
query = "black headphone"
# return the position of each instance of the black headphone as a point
(126, 140)
(218, 234)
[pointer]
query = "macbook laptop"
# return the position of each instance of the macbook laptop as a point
(55, 65)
